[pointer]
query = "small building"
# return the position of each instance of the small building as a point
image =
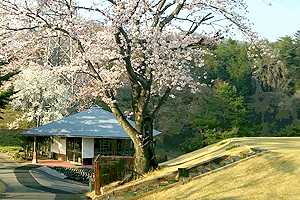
(81, 136)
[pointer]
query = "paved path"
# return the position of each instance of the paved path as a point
(30, 182)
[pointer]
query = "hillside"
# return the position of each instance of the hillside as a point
(10, 137)
(274, 175)
(271, 176)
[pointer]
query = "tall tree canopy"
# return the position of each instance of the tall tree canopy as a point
(141, 43)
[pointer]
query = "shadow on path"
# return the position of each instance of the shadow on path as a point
(25, 178)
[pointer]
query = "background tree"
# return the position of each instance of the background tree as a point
(223, 116)
(40, 96)
(289, 53)
(229, 62)
(5, 94)
(269, 70)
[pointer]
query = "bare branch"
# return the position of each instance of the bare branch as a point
(21, 29)
(172, 15)
(197, 24)
(155, 19)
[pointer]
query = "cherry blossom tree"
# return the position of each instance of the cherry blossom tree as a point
(40, 96)
(146, 44)
(269, 70)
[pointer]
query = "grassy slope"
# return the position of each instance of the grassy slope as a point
(10, 137)
(271, 176)
(172, 166)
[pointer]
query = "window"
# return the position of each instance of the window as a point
(103, 146)
(124, 147)
(108, 147)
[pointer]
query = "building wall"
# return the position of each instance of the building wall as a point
(58, 148)
(55, 144)
(63, 146)
(87, 147)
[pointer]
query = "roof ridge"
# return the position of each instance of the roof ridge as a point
(95, 106)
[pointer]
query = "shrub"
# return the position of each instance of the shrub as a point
(232, 147)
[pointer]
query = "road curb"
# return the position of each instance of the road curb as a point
(51, 172)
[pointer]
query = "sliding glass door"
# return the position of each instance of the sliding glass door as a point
(74, 149)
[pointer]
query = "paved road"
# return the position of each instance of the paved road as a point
(30, 182)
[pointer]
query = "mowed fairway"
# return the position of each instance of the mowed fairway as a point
(275, 175)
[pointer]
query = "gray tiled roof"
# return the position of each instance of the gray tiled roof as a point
(95, 122)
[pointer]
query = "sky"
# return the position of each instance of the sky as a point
(270, 22)
(278, 20)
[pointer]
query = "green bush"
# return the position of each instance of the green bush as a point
(290, 131)
(232, 147)
(213, 136)
(209, 136)
(4, 149)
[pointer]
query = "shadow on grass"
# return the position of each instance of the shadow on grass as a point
(280, 163)
(226, 198)
(195, 190)
(10, 137)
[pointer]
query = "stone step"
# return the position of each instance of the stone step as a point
(202, 170)
(188, 173)
(245, 154)
(172, 181)
(194, 174)
(225, 162)
(129, 195)
(258, 150)
(161, 185)
(235, 158)
(116, 197)
(214, 166)
(150, 188)
(139, 192)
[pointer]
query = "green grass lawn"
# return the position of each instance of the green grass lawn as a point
(275, 175)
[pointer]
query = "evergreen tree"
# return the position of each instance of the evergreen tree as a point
(289, 52)
(5, 94)
(229, 62)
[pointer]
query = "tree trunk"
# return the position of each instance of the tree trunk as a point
(144, 157)
(142, 140)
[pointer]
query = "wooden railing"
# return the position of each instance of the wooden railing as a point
(114, 168)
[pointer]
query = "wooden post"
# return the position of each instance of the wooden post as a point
(114, 147)
(97, 177)
(34, 156)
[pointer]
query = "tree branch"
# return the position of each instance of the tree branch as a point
(172, 15)
(132, 132)
(127, 58)
(155, 19)
(205, 18)
(162, 100)
(81, 48)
